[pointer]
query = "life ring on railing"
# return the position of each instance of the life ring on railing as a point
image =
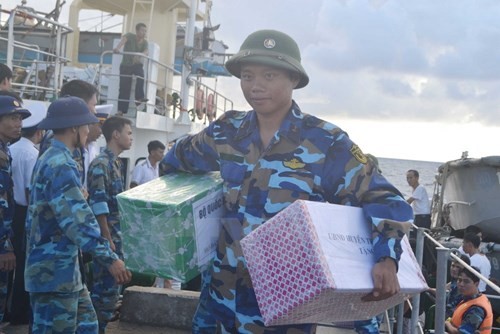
(210, 107)
(199, 103)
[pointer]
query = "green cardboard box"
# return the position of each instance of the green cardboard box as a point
(170, 225)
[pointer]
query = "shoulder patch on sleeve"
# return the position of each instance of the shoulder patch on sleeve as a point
(358, 154)
(311, 121)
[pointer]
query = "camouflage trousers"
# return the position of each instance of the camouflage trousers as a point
(105, 293)
(63, 313)
(4, 279)
(204, 321)
(370, 326)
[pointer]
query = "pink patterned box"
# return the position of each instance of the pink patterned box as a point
(312, 262)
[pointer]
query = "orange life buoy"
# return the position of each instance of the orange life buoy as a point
(210, 107)
(200, 111)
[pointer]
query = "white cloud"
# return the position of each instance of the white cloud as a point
(383, 61)
(422, 60)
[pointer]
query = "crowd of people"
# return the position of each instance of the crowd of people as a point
(56, 203)
(268, 158)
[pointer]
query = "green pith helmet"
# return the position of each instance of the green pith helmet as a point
(272, 48)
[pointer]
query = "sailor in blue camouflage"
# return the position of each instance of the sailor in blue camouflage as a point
(11, 116)
(265, 171)
(6, 215)
(59, 223)
(105, 182)
(77, 152)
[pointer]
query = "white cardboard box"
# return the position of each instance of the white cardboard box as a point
(312, 263)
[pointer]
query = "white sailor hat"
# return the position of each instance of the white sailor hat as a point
(103, 111)
(38, 111)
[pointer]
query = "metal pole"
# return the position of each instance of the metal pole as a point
(401, 311)
(442, 268)
(57, 63)
(389, 319)
(186, 71)
(419, 253)
(10, 40)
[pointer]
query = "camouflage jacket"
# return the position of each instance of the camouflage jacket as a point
(60, 222)
(6, 199)
(104, 184)
(307, 159)
(77, 153)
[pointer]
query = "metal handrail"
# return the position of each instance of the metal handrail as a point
(21, 44)
(443, 254)
(42, 18)
(221, 102)
(57, 59)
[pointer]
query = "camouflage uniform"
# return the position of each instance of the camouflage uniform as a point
(59, 223)
(104, 183)
(77, 153)
(6, 216)
(453, 298)
(307, 159)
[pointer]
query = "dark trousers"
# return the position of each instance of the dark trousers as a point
(20, 310)
(423, 221)
(126, 72)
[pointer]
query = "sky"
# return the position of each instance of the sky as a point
(413, 80)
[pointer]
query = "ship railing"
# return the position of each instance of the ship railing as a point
(443, 255)
(37, 73)
(204, 103)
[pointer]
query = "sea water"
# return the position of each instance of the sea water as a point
(395, 170)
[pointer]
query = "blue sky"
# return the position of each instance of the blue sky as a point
(406, 79)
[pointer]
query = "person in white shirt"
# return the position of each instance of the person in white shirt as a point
(91, 148)
(24, 154)
(470, 246)
(419, 200)
(147, 169)
(474, 229)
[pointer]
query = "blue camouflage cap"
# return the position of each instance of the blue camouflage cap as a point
(67, 112)
(9, 105)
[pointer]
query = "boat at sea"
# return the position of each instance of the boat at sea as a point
(466, 192)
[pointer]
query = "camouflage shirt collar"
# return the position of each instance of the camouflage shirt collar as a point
(60, 145)
(290, 127)
(474, 296)
(110, 154)
(292, 124)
